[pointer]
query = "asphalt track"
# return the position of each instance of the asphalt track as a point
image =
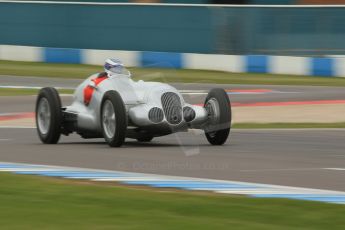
(303, 158)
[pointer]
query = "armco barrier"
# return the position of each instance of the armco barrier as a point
(327, 66)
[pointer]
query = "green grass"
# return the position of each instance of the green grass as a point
(23, 92)
(29, 202)
(287, 125)
(164, 75)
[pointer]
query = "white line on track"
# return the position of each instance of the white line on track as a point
(5, 139)
(291, 169)
(29, 87)
(277, 170)
(10, 114)
(335, 169)
(17, 127)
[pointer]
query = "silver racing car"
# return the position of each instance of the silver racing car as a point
(113, 106)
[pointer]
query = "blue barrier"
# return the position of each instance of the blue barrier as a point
(290, 65)
(58, 55)
(322, 66)
(257, 64)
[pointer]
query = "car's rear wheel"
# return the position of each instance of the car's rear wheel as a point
(218, 107)
(48, 115)
(113, 119)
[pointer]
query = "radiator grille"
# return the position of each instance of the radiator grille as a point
(172, 107)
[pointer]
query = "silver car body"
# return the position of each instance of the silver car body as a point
(139, 98)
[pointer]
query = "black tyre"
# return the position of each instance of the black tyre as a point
(113, 119)
(218, 106)
(48, 115)
(147, 138)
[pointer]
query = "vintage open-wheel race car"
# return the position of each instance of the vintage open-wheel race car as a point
(113, 106)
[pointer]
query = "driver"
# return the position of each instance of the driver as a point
(112, 68)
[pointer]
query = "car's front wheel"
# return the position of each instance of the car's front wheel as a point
(113, 119)
(218, 107)
(48, 115)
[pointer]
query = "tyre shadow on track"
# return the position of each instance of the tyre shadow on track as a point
(138, 144)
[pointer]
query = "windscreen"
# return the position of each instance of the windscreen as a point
(119, 69)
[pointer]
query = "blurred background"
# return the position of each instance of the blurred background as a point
(239, 29)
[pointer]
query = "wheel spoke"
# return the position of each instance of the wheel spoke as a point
(43, 116)
(212, 107)
(109, 120)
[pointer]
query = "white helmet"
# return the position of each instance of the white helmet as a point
(114, 66)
